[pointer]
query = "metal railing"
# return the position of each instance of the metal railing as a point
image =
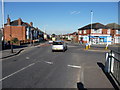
(112, 65)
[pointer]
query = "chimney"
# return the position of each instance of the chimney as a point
(31, 24)
(19, 21)
(8, 20)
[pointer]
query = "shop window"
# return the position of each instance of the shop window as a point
(101, 39)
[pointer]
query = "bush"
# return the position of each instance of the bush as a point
(14, 40)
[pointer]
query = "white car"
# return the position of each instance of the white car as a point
(59, 46)
(50, 42)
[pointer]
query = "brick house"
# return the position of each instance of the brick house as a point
(25, 32)
(99, 34)
(115, 32)
(73, 36)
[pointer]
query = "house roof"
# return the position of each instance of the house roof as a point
(15, 23)
(113, 26)
(94, 26)
(74, 33)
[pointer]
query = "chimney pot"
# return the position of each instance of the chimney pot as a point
(19, 21)
(31, 24)
(8, 20)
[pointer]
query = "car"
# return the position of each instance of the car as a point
(59, 46)
(50, 42)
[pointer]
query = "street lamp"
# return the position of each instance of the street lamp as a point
(2, 22)
(91, 27)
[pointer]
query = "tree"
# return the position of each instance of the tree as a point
(13, 40)
(53, 35)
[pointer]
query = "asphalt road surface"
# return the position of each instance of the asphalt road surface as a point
(39, 67)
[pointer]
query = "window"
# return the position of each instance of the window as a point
(85, 32)
(108, 31)
(117, 31)
(57, 43)
(27, 33)
(80, 32)
(99, 31)
(96, 31)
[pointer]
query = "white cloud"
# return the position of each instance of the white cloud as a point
(75, 12)
(78, 12)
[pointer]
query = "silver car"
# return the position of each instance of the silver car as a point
(59, 46)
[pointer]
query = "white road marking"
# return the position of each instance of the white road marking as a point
(71, 46)
(17, 72)
(27, 58)
(48, 62)
(74, 66)
(82, 75)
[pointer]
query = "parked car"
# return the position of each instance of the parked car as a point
(59, 46)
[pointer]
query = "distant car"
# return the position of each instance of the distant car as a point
(59, 46)
(50, 42)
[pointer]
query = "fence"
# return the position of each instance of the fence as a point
(112, 65)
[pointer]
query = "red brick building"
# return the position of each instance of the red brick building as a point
(25, 32)
(99, 34)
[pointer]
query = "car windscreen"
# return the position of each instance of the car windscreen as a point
(57, 43)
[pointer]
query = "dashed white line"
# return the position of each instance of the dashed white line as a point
(48, 62)
(27, 58)
(74, 66)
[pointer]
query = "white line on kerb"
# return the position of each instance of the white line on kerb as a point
(48, 62)
(17, 72)
(74, 66)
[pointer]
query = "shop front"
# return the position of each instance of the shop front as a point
(100, 39)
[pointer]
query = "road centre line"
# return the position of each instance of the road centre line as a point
(48, 62)
(74, 66)
(23, 69)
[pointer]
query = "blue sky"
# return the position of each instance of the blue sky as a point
(62, 17)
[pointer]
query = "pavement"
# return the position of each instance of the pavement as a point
(7, 53)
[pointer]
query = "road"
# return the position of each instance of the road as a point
(39, 67)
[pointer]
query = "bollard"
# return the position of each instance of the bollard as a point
(106, 47)
(86, 46)
(89, 46)
(107, 64)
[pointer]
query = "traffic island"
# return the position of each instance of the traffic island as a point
(96, 49)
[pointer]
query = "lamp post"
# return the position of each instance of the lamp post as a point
(2, 22)
(11, 43)
(91, 28)
(3, 13)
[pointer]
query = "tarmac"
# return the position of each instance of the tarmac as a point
(96, 48)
